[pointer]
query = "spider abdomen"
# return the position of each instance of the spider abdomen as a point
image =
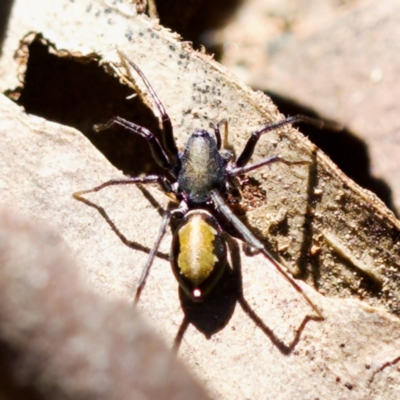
(198, 253)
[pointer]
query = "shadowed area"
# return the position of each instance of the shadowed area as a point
(76, 91)
(344, 148)
(193, 19)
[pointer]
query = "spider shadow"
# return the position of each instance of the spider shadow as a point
(214, 313)
(310, 265)
(121, 236)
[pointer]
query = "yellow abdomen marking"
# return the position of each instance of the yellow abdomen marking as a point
(197, 258)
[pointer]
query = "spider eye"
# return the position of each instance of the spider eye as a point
(198, 253)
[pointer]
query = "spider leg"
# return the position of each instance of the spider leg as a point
(134, 180)
(254, 242)
(149, 262)
(217, 132)
(146, 269)
(225, 142)
(157, 151)
(248, 150)
(262, 163)
(168, 137)
(165, 220)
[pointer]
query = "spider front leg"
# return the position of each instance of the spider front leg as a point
(250, 239)
(263, 163)
(248, 150)
(168, 137)
(167, 157)
(159, 155)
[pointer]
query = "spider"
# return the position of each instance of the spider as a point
(200, 177)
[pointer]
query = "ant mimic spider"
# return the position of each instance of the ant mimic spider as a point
(199, 178)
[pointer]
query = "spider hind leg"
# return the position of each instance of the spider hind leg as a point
(250, 239)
